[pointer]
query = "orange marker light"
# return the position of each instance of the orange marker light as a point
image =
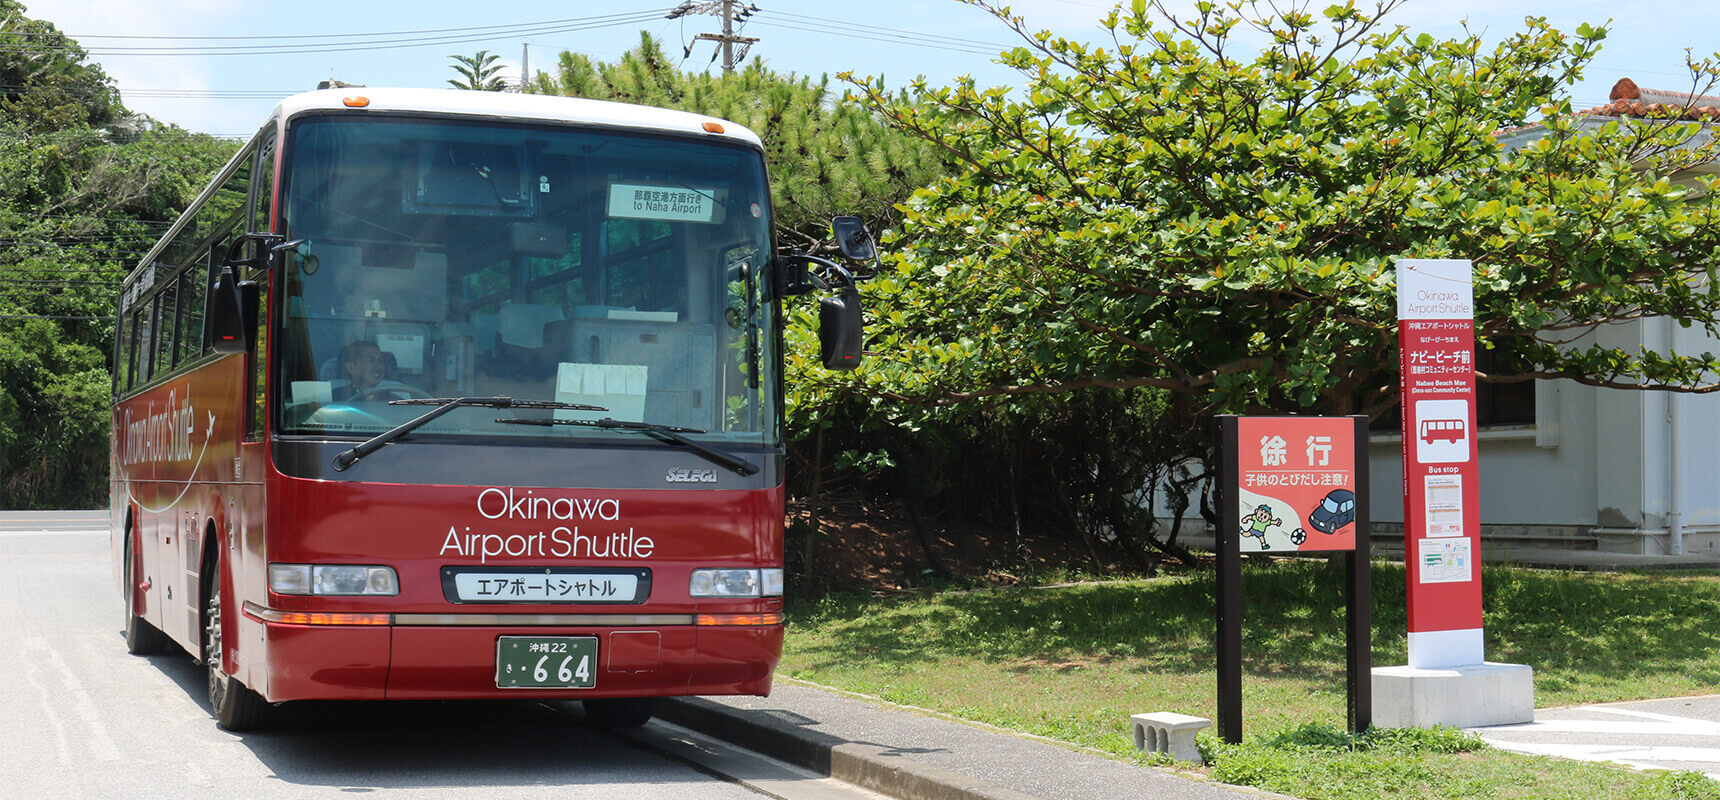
(712, 127)
(356, 102)
(774, 618)
(277, 616)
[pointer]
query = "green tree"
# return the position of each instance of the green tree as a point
(828, 154)
(478, 72)
(44, 82)
(85, 190)
(78, 207)
(1175, 212)
(53, 418)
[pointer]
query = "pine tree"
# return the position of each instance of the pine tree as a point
(827, 154)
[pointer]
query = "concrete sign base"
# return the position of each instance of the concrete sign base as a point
(1462, 697)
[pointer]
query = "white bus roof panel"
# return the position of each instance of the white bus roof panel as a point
(506, 105)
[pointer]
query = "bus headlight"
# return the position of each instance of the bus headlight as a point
(332, 579)
(736, 583)
(772, 582)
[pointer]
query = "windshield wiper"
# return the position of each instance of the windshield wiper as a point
(664, 432)
(443, 405)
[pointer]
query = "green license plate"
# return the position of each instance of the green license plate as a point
(546, 662)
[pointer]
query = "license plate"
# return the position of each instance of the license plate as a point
(546, 662)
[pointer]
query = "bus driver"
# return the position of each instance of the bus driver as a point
(367, 375)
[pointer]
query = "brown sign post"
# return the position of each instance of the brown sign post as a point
(1293, 485)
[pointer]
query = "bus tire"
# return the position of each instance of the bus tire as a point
(141, 637)
(628, 712)
(235, 706)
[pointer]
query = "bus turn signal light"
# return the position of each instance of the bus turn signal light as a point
(262, 614)
(715, 620)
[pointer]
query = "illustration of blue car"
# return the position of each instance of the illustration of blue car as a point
(1334, 512)
(1336, 509)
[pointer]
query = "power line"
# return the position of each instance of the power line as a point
(61, 284)
(261, 37)
(562, 26)
(51, 316)
(878, 37)
(97, 137)
(78, 91)
(209, 94)
(840, 27)
(731, 11)
(81, 217)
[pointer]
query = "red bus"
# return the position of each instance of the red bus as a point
(451, 394)
(1450, 430)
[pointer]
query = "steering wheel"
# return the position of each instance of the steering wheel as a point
(388, 393)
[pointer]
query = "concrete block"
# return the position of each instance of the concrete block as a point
(1461, 697)
(1167, 732)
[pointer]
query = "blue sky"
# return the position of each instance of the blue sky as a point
(941, 39)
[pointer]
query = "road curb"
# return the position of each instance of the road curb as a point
(870, 766)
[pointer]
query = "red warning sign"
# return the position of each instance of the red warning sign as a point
(1297, 483)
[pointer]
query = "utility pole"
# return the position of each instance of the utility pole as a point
(731, 12)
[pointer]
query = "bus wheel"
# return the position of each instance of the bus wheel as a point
(141, 638)
(630, 712)
(236, 707)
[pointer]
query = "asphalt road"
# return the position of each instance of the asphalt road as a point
(81, 718)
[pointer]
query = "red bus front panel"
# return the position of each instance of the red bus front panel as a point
(440, 646)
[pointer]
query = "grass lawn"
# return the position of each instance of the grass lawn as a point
(1072, 662)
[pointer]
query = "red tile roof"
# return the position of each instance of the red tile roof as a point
(1629, 100)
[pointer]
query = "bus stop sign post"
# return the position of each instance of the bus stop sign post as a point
(1293, 485)
(1442, 537)
(1447, 681)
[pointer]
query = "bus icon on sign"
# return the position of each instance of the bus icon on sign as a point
(1435, 430)
(1442, 431)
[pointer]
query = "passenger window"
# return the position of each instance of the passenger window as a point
(192, 302)
(144, 353)
(122, 361)
(165, 310)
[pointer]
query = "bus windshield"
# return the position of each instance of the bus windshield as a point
(580, 266)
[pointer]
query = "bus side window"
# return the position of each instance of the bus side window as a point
(260, 192)
(144, 355)
(139, 340)
(259, 357)
(165, 315)
(122, 352)
(192, 301)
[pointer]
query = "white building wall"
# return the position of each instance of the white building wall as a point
(1631, 471)
(1693, 444)
(1530, 475)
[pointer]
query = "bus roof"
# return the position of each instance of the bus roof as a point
(549, 108)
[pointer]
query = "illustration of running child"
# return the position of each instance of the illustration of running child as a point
(1255, 524)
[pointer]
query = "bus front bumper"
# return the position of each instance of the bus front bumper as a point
(446, 657)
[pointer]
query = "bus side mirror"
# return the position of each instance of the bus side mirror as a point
(839, 330)
(852, 236)
(233, 311)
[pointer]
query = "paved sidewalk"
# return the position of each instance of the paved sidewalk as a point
(919, 756)
(1679, 733)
